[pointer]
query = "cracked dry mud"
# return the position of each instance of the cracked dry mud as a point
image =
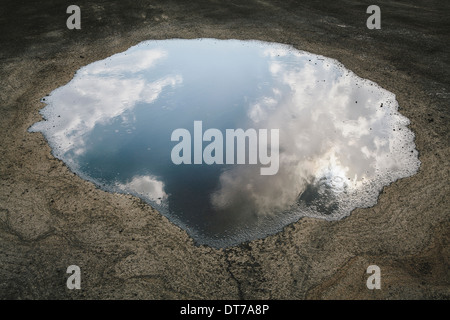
(51, 218)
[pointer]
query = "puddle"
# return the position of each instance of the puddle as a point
(341, 138)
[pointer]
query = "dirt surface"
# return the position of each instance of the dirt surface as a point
(51, 218)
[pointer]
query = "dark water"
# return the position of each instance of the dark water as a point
(341, 138)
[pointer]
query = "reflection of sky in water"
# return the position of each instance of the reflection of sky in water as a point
(341, 138)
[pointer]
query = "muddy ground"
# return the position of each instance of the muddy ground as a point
(51, 218)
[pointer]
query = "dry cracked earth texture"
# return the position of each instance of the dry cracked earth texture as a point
(51, 218)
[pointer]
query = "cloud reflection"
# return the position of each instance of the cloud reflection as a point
(148, 187)
(98, 94)
(336, 130)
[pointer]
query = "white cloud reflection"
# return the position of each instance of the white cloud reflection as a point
(98, 94)
(131, 62)
(335, 128)
(148, 187)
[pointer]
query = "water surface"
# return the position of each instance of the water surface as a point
(341, 137)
